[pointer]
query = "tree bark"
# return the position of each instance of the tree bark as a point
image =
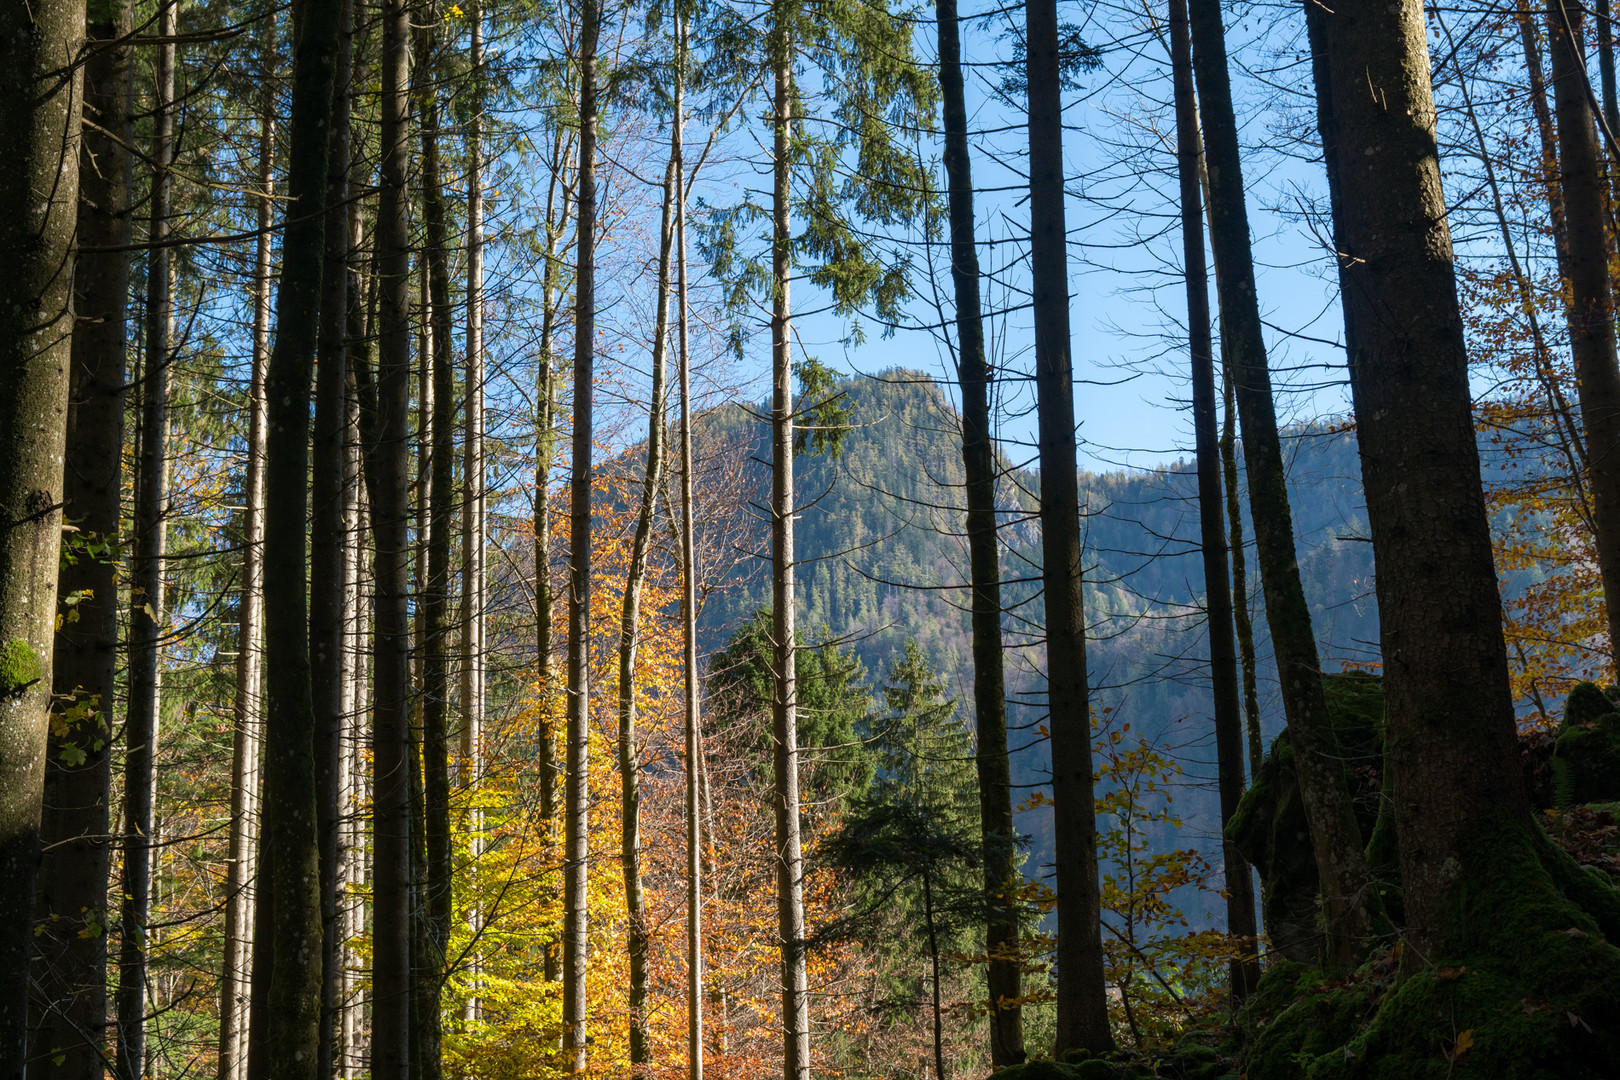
(435, 598)
(689, 602)
(39, 194)
(1590, 295)
(1004, 979)
(1082, 1006)
(290, 841)
(577, 796)
(247, 709)
(328, 584)
(70, 982)
(473, 514)
(1240, 921)
(386, 477)
(635, 900)
(784, 695)
(147, 616)
(1334, 835)
(1451, 752)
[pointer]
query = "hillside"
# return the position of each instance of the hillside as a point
(884, 559)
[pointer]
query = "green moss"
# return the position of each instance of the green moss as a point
(1384, 861)
(20, 668)
(1038, 1070)
(1586, 760)
(1585, 703)
(1527, 973)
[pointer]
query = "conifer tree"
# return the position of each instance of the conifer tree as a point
(71, 970)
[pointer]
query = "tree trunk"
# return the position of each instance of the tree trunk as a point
(635, 901)
(386, 479)
(544, 452)
(1082, 1006)
(1590, 295)
(1451, 752)
(1240, 575)
(435, 597)
(247, 712)
(933, 963)
(1605, 47)
(328, 533)
(70, 986)
(1004, 980)
(146, 575)
(39, 194)
(1240, 921)
(544, 594)
(472, 518)
(577, 797)
(689, 601)
(784, 696)
(1334, 834)
(290, 841)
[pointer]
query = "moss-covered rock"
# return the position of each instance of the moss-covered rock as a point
(1038, 1070)
(1270, 828)
(1525, 987)
(1586, 754)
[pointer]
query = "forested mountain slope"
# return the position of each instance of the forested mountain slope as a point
(882, 542)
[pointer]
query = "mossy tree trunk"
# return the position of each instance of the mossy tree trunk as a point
(39, 194)
(1082, 1005)
(1240, 920)
(974, 374)
(70, 996)
(1451, 755)
(1334, 835)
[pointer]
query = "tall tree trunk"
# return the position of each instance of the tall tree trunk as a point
(328, 532)
(386, 478)
(1590, 295)
(1335, 836)
(146, 573)
(1452, 759)
(1240, 574)
(544, 453)
(290, 838)
(1004, 980)
(1240, 921)
(39, 194)
(577, 796)
(933, 964)
(472, 518)
(784, 695)
(435, 597)
(247, 713)
(1605, 47)
(70, 990)
(689, 603)
(635, 900)
(1082, 1007)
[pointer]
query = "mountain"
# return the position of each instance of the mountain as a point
(882, 547)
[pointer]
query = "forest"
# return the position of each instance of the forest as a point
(809, 538)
